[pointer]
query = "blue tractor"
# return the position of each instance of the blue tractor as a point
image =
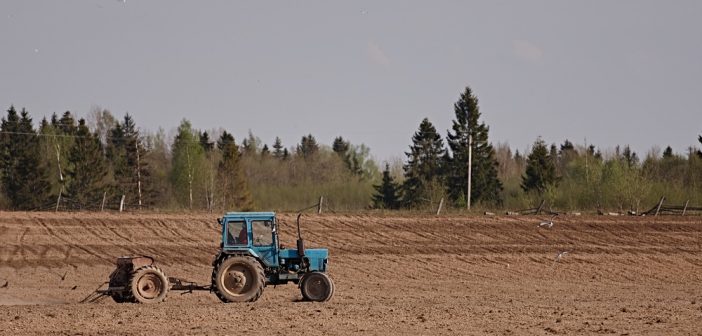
(250, 258)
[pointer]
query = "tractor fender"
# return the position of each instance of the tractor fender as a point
(247, 252)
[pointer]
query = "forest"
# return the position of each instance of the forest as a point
(105, 162)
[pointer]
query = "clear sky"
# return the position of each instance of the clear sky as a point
(612, 72)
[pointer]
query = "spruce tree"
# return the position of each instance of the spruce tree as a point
(540, 170)
(126, 152)
(88, 170)
(630, 157)
(278, 148)
(340, 147)
(308, 147)
(25, 180)
(424, 164)
(485, 185)
(265, 151)
(235, 191)
(386, 193)
(668, 152)
(205, 142)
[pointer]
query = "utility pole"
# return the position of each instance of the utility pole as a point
(138, 169)
(470, 167)
(58, 162)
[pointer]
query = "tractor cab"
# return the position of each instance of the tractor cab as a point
(252, 233)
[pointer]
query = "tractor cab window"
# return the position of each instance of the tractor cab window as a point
(236, 233)
(262, 232)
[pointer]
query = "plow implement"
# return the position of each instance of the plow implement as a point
(137, 280)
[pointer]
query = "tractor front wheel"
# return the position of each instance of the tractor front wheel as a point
(148, 285)
(238, 279)
(317, 287)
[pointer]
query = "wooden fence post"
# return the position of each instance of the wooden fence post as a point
(685, 207)
(121, 204)
(541, 206)
(660, 204)
(58, 200)
(319, 206)
(102, 206)
(441, 204)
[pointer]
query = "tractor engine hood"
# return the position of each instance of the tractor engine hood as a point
(320, 253)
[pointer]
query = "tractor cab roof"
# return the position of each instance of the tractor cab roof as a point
(249, 214)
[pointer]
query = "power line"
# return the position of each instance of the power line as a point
(106, 137)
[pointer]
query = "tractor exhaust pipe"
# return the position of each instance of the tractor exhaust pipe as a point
(300, 242)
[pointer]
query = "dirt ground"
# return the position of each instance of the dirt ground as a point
(394, 275)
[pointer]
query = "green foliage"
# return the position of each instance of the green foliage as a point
(24, 179)
(278, 149)
(308, 147)
(88, 169)
(540, 169)
(158, 159)
(468, 131)
(234, 193)
(386, 193)
(200, 173)
(189, 165)
(423, 170)
(125, 151)
(297, 182)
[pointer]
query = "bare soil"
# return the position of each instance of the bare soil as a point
(394, 275)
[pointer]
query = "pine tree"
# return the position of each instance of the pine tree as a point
(386, 193)
(308, 147)
(278, 148)
(630, 157)
(62, 136)
(424, 164)
(265, 152)
(485, 185)
(340, 147)
(25, 180)
(251, 145)
(125, 151)
(205, 142)
(668, 152)
(540, 170)
(235, 189)
(88, 170)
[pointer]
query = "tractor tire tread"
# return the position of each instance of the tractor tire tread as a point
(246, 259)
(129, 293)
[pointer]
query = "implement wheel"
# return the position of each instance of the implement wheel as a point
(148, 285)
(238, 279)
(317, 287)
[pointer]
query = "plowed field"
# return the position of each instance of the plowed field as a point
(394, 275)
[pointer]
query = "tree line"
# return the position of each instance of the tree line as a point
(108, 163)
(105, 162)
(567, 177)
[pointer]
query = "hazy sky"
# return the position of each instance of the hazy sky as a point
(614, 72)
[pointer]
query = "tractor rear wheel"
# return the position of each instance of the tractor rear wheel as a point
(317, 287)
(148, 285)
(238, 279)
